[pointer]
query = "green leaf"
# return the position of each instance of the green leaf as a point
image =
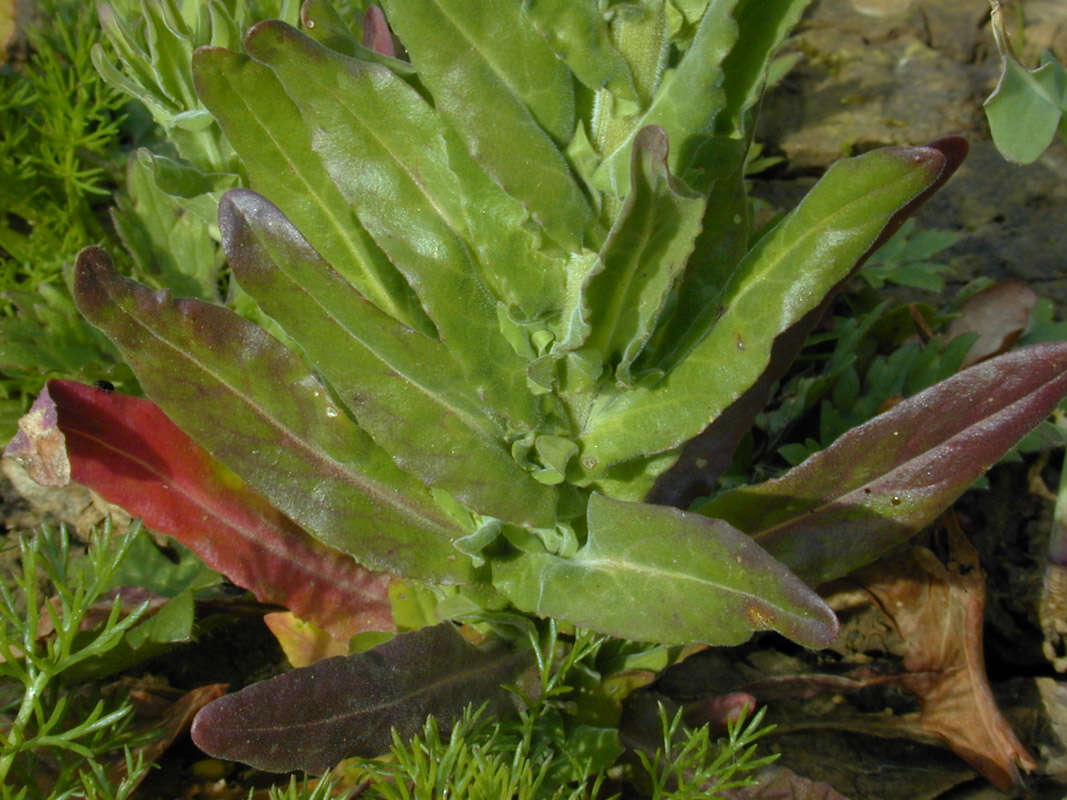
(257, 408)
(645, 251)
(403, 388)
(882, 482)
(494, 77)
(518, 263)
(382, 145)
(1027, 107)
(684, 579)
(165, 241)
(311, 718)
(578, 35)
(265, 128)
(685, 105)
(782, 279)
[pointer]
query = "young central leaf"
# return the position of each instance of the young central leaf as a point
(645, 252)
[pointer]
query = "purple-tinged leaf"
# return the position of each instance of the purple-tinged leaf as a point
(275, 146)
(381, 143)
(257, 407)
(376, 33)
(311, 718)
(880, 483)
(128, 451)
(404, 388)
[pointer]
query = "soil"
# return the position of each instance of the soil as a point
(875, 73)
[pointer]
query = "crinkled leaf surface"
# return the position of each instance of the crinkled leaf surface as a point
(686, 102)
(128, 451)
(880, 483)
(256, 407)
(505, 91)
(659, 574)
(403, 387)
(265, 128)
(578, 34)
(382, 145)
(311, 718)
(784, 277)
(645, 251)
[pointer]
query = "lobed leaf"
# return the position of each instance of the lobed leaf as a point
(311, 718)
(256, 407)
(659, 574)
(129, 452)
(265, 128)
(382, 146)
(403, 388)
(781, 281)
(881, 482)
(494, 77)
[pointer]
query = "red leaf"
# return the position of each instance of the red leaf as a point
(126, 449)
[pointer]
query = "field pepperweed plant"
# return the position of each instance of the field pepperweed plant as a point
(514, 317)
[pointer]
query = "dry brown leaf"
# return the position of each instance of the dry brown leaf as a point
(167, 719)
(938, 610)
(998, 315)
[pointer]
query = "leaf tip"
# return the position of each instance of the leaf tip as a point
(93, 272)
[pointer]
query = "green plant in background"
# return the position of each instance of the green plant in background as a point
(1027, 108)
(519, 306)
(55, 743)
(60, 138)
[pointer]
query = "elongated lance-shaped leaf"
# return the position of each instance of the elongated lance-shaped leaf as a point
(257, 408)
(686, 102)
(130, 453)
(578, 34)
(505, 91)
(720, 163)
(659, 574)
(382, 146)
(265, 128)
(704, 458)
(878, 484)
(784, 277)
(521, 268)
(645, 251)
(403, 388)
(311, 718)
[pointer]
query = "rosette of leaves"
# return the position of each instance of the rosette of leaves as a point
(524, 309)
